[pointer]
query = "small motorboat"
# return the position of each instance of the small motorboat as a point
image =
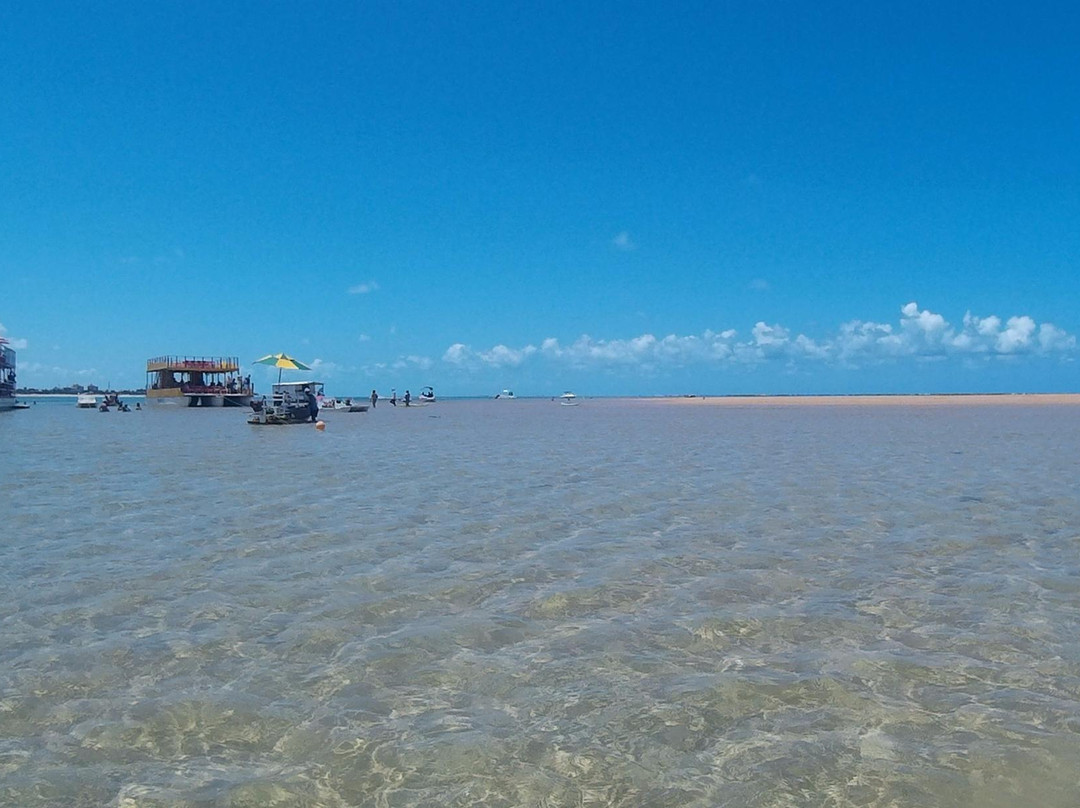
(427, 394)
(505, 395)
(568, 399)
(346, 405)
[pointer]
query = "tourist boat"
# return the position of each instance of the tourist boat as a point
(568, 399)
(7, 377)
(197, 381)
(505, 395)
(288, 404)
(427, 394)
(86, 401)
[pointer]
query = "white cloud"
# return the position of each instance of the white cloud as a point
(412, 361)
(623, 242)
(499, 356)
(1053, 339)
(363, 288)
(925, 334)
(16, 344)
(1017, 335)
(324, 368)
(457, 354)
(919, 334)
(39, 374)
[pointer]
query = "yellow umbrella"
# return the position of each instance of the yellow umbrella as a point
(282, 362)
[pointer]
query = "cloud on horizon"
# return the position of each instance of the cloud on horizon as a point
(919, 335)
(363, 288)
(53, 375)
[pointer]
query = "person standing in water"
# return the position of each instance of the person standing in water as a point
(393, 396)
(312, 405)
(408, 398)
(374, 398)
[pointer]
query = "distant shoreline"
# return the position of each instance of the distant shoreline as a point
(770, 400)
(900, 399)
(76, 395)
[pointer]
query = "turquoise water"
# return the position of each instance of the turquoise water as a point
(483, 603)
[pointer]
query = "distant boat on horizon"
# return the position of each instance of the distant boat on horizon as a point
(505, 395)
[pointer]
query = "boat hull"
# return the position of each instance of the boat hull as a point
(344, 408)
(168, 398)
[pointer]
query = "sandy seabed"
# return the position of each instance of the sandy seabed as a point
(966, 400)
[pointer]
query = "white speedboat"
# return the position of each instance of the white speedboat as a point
(568, 399)
(505, 395)
(342, 405)
(427, 395)
(86, 401)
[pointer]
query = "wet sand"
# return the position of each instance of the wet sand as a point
(966, 400)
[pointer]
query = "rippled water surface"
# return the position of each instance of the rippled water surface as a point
(486, 603)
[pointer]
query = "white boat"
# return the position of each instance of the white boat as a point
(86, 401)
(427, 394)
(568, 399)
(7, 377)
(505, 395)
(341, 405)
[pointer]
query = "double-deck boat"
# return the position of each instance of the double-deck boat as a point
(7, 376)
(197, 381)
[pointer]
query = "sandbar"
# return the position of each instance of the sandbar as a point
(935, 400)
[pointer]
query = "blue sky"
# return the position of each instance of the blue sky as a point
(616, 198)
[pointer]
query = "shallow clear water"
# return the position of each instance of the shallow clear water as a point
(491, 603)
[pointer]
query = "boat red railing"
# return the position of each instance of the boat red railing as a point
(204, 364)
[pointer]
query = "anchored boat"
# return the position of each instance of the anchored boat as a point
(197, 381)
(7, 376)
(289, 404)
